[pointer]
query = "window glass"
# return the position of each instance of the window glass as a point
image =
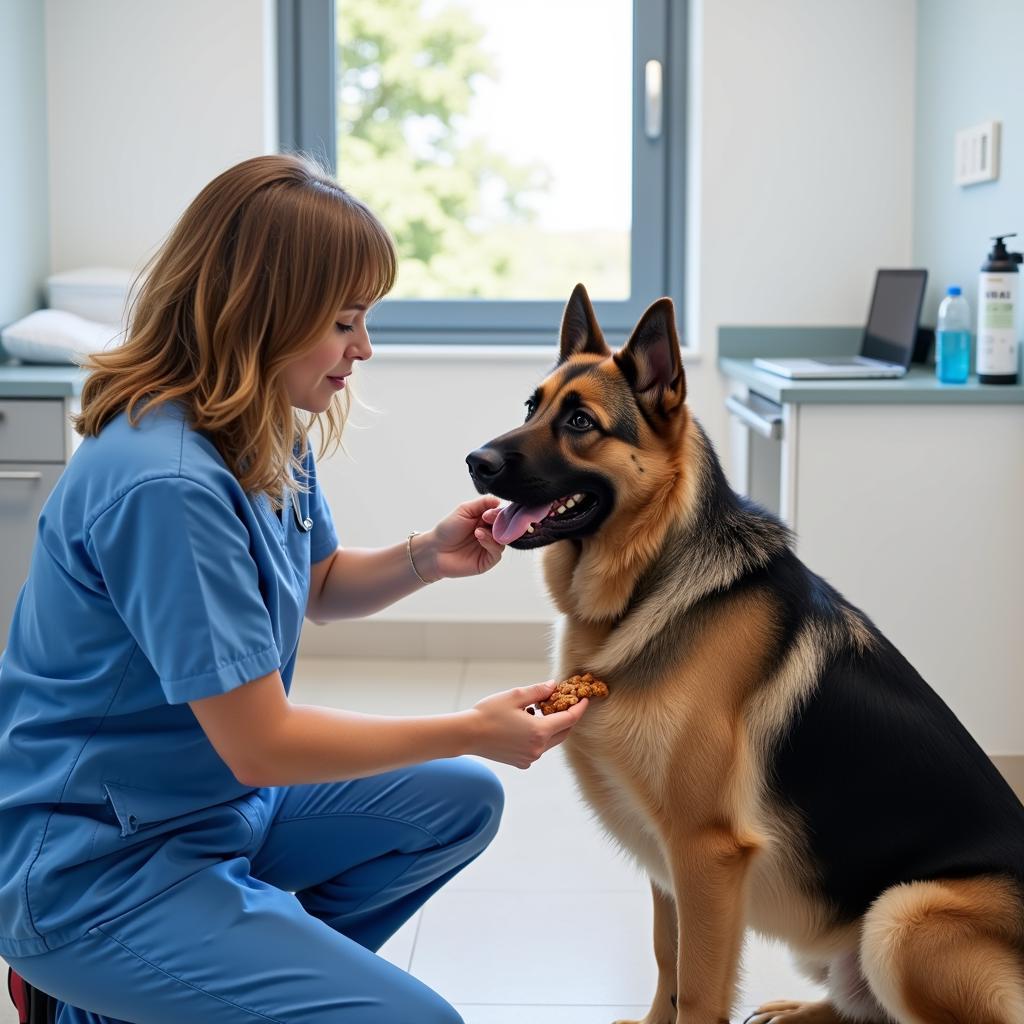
(494, 140)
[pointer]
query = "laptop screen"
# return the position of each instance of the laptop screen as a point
(893, 318)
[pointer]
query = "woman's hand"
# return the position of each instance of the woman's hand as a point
(506, 733)
(461, 544)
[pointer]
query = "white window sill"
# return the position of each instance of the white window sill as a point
(428, 352)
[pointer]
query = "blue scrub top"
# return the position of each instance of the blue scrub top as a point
(155, 580)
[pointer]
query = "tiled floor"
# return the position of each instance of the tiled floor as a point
(503, 942)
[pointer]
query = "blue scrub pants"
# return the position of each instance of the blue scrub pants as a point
(286, 931)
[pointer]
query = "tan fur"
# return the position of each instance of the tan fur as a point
(947, 952)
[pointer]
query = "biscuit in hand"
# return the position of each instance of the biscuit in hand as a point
(571, 691)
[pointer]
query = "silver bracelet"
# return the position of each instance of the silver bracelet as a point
(408, 547)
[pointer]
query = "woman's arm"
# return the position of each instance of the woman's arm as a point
(353, 582)
(267, 741)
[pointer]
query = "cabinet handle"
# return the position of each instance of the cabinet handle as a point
(9, 474)
(767, 426)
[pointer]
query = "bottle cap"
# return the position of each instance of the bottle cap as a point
(999, 255)
(953, 289)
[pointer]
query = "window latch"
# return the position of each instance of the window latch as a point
(652, 99)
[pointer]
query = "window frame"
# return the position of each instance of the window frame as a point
(307, 123)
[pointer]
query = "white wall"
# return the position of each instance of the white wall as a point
(800, 187)
(23, 188)
(147, 101)
(968, 72)
(807, 144)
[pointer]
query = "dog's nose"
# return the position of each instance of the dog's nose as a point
(485, 463)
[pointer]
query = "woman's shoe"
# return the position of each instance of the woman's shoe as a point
(33, 1005)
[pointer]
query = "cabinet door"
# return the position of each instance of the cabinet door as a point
(913, 513)
(24, 488)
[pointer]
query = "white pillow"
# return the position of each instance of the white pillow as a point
(53, 336)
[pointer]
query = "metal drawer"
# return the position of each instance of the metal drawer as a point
(24, 489)
(32, 430)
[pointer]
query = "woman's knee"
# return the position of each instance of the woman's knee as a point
(482, 789)
(488, 784)
(468, 797)
(466, 781)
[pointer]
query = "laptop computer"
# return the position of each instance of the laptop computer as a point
(888, 340)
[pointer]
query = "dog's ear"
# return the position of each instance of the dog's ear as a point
(651, 361)
(580, 330)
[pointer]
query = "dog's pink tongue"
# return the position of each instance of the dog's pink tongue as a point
(514, 520)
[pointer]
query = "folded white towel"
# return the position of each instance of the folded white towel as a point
(99, 294)
(54, 336)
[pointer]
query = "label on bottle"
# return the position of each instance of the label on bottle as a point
(997, 333)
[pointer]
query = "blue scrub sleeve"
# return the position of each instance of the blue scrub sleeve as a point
(176, 561)
(323, 537)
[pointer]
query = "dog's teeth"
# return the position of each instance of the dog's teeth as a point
(529, 529)
(561, 509)
(570, 503)
(578, 497)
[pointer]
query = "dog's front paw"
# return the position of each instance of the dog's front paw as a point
(787, 1011)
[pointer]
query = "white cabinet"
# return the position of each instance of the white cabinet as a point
(36, 441)
(914, 513)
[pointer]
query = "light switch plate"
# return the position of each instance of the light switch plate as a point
(976, 156)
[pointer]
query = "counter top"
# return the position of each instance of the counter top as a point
(738, 347)
(35, 380)
(920, 385)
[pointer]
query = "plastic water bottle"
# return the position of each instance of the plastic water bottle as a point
(953, 338)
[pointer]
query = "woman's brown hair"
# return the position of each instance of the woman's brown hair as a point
(251, 277)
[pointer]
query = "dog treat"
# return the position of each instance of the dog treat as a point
(571, 691)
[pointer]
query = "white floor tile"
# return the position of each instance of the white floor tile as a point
(547, 947)
(583, 955)
(378, 686)
(768, 975)
(398, 949)
(547, 824)
(533, 1014)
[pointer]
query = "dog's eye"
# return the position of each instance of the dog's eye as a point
(580, 421)
(531, 407)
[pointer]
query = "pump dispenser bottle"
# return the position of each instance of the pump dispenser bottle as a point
(997, 306)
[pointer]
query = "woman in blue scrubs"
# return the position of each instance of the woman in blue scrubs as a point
(180, 842)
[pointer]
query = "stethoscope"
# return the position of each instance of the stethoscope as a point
(304, 523)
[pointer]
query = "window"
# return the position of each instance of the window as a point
(512, 149)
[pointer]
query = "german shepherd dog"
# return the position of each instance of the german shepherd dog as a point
(765, 754)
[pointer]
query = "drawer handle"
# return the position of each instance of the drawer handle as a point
(767, 426)
(10, 474)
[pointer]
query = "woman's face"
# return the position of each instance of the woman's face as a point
(313, 378)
